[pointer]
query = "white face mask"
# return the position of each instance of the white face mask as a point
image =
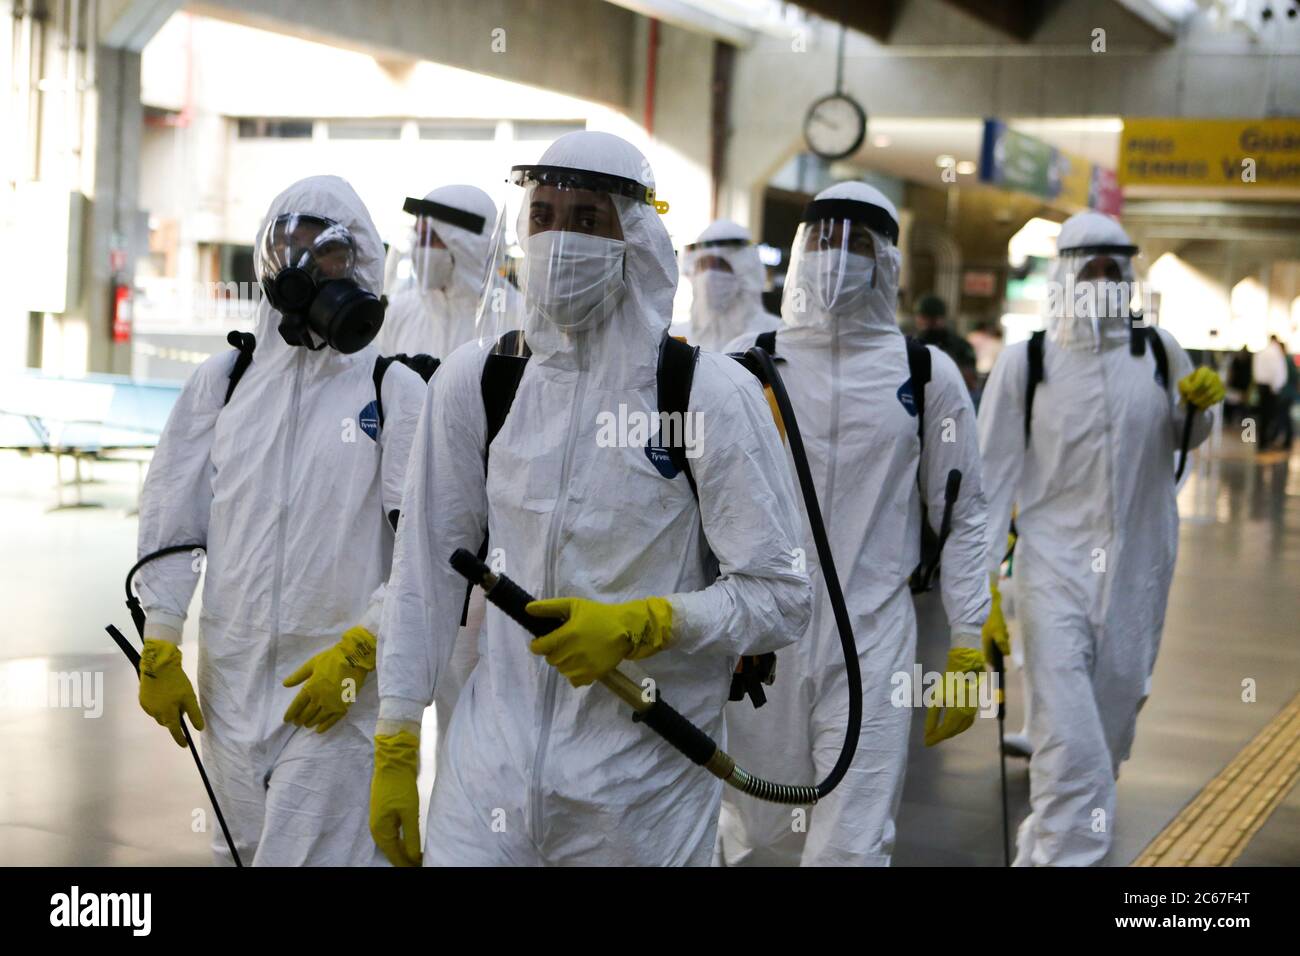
(433, 267)
(717, 289)
(571, 278)
(1093, 316)
(836, 282)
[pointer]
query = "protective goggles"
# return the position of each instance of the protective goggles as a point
(319, 247)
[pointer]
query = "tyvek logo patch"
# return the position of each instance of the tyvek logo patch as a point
(659, 458)
(906, 399)
(369, 420)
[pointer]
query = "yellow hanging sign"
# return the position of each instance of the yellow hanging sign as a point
(1224, 154)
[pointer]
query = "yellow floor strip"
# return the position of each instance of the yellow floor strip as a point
(1214, 828)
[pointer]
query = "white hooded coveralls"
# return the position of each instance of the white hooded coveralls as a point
(713, 325)
(291, 493)
(844, 375)
(438, 321)
(1098, 533)
(535, 771)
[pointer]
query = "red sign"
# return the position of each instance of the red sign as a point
(980, 284)
(1106, 194)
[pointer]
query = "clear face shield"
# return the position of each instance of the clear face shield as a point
(306, 266)
(397, 266)
(835, 262)
(567, 262)
(1096, 297)
(432, 262)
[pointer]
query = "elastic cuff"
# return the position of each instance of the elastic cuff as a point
(163, 627)
(389, 728)
(401, 708)
(690, 618)
(966, 637)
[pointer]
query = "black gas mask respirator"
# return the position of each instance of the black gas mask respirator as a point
(306, 266)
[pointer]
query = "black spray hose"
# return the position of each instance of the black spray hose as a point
(1187, 442)
(998, 664)
(760, 362)
(132, 655)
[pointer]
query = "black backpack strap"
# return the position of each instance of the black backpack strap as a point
(423, 365)
(502, 373)
(673, 378)
(381, 367)
(245, 342)
(918, 370)
(1158, 352)
(1137, 340)
(1034, 377)
(767, 342)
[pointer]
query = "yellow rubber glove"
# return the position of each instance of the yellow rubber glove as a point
(394, 801)
(596, 636)
(958, 710)
(325, 698)
(165, 690)
(1202, 388)
(995, 631)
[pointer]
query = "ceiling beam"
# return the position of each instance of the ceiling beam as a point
(693, 18)
(875, 19)
(1147, 12)
(1016, 18)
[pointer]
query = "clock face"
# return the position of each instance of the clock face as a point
(835, 126)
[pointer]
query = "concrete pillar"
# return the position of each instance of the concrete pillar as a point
(114, 224)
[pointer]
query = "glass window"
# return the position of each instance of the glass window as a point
(546, 130)
(381, 129)
(458, 131)
(275, 128)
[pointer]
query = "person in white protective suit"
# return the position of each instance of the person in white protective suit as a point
(726, 286)
(293, 481)
(540, 767)
(434, 314)
(1090, 472)
(845, 365)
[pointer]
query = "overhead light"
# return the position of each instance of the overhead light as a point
(966, 167)
(880, 141)
(1036, 238)
(944, 161)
